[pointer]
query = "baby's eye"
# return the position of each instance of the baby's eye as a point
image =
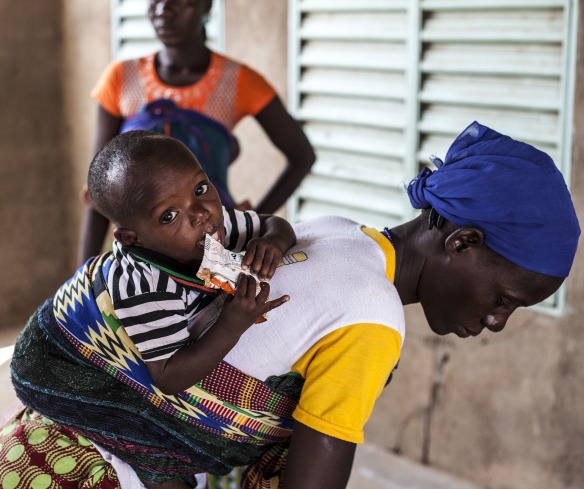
(202, 189)
(502, 302)
(168, 217)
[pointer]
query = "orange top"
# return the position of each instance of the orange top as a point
(227, 92)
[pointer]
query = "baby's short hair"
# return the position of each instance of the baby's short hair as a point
(123, 169)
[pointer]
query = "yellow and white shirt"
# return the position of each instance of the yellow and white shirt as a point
(342, 329)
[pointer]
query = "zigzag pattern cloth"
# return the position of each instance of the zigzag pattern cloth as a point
(228, 419)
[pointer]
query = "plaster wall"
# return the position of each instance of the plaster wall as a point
(85, 53)
(505, 411)
(33, 175)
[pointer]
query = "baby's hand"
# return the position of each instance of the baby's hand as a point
(242, 309)
(262, 257)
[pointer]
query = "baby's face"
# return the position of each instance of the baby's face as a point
(182, 207)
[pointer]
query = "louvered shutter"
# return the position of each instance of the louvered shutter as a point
(381, 85)
(508, 63)
(349, 79)
(133, 35)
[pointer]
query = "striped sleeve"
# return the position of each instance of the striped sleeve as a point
(156, 323)
(240, 228)
(153, 308)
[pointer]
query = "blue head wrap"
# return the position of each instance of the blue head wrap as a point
(510, 190)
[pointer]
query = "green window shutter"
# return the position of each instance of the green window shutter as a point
(349, 77)
(380, 85)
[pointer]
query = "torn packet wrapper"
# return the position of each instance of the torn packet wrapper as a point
(221, 268)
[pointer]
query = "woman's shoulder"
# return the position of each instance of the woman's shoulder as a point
(225, 62)
(117, 67)
(147, 59)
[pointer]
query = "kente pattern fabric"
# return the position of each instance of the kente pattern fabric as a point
(156, 306)
(36, 452)
(227, 92)
(208, 139)
(510, 190)
(228, 419)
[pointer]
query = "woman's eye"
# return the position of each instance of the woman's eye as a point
(168, 217)
(501, 302)
(202, 189)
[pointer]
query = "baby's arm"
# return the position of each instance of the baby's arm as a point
(265, 252)
(195, 361)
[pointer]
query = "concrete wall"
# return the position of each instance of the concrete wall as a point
(33, 176)
(50, 56)
(505, 411)
(86, 52)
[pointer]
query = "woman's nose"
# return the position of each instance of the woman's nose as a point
(494, 322)
(161, 6)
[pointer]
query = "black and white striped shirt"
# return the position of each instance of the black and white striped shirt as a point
(154, 308)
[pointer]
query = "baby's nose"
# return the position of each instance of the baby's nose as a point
(198, 214)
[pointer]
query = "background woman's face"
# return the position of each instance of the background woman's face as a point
(178, 21)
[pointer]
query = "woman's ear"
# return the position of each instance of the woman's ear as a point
(127, 237)
(463, 239)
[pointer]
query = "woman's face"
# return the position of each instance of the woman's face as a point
(177, 22)
(479, 289)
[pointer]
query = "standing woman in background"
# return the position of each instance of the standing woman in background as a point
(198, 96)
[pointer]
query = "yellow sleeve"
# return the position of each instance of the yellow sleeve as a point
(344, 374)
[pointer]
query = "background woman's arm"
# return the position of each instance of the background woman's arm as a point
(287, 135)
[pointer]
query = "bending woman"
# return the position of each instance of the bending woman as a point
(498, 231)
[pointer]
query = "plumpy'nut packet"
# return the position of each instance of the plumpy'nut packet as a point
(221, 268)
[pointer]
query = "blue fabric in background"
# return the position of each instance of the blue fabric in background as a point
(207, 138)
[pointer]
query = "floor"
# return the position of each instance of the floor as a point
(375, 468)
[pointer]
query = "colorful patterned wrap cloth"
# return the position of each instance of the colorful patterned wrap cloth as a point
(75, 364)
